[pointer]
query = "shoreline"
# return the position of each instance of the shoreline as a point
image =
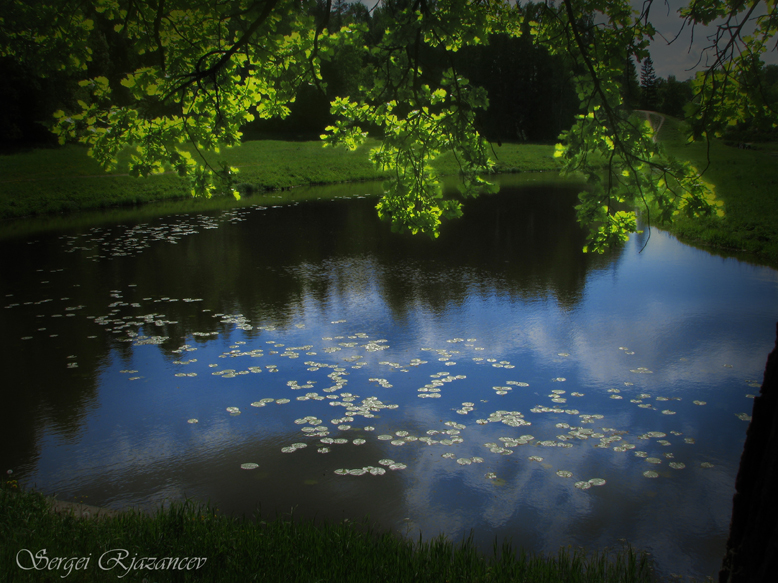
(53, 186)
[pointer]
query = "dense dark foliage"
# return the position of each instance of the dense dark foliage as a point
(531, 95)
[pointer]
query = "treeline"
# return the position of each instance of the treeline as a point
(531, 95)
(653, 93)
(676, 98)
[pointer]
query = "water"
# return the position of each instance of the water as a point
(117, 334)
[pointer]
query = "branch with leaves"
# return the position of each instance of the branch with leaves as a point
(209, 68)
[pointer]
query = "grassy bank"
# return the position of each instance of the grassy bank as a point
(49, 181)
(46, 181)
(278, 550)
(746, 180)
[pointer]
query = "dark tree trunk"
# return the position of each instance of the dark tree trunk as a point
(752, 547)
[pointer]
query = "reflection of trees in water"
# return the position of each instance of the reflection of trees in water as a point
(40, 392)
(522, 244)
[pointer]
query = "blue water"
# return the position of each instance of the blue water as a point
(507, 285)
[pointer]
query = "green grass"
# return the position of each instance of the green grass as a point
(50, 181)
(747, 182)
(279, 550)
(47, 181)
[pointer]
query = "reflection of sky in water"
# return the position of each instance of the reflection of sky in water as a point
(684, 314)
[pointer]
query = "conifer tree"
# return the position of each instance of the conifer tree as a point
(648, 85)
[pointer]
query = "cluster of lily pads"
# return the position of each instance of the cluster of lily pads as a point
(350, 352)
(121, 241)
(339, 355)
(315, 427)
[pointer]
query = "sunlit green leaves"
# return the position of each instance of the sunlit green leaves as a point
(613, 148)
(210, 68)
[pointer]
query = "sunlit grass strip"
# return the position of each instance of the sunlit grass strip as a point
(46, 181)
(281, 550)
(745, 180)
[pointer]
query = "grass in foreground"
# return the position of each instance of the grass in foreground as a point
(281, 550)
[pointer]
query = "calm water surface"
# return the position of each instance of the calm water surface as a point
(480, 380)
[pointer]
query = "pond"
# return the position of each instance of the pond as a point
(279, 356)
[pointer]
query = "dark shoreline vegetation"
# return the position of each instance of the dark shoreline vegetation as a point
(47, 182)
(283, 549)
